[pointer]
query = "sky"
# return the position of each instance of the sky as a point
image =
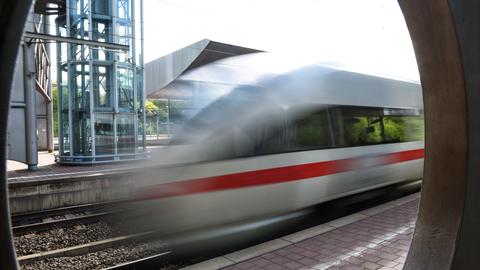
(368, 34)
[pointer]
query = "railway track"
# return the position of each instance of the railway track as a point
(35, 224)
(61, 217)
(143, 252)
(144, 263)
(41, 226)
(136, 251)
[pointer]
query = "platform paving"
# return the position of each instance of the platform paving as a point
(48, 169)
(376, 238)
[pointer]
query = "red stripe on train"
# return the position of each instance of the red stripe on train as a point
(273, 176)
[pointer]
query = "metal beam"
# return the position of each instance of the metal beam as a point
(92, 43)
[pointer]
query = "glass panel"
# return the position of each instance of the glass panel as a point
(311, 131)
(80, 82)
(140, 138)
(404, 128)
(102, 93)
(65, 136)
(139, 84)
(124, 30)
(125, 89)
(362, 126)
(100, 7)
(81, 134)
(357, 126)
(267, 135)
(82, 140)
(140, 110)
(101, 32)
(104, 139)
(126, 133)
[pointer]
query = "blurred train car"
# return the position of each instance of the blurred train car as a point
(281, 142)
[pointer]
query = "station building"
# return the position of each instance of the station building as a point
(99, 74)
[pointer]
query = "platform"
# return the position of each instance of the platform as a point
(48, 169)
(376, 238)
(55, 185)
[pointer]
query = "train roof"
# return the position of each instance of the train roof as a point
(253, 90)
(289, 83)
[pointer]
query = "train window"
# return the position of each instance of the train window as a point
(404, 128)
(271, 133)
(357, 126)
(309, 130)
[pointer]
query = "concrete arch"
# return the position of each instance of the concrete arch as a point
(443, 34)
(446, 39)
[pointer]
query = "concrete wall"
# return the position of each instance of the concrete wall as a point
(16, 140)
(34, 195)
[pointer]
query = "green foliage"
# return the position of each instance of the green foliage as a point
(150, 107)
(156, 110)
(311, 131)
(358, 130)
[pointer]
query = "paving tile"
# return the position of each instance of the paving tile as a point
(48, 169)
(387, 263)
(345, 220)
(371, 266)
(373, 242)
(308, 233)
(351, 267)
(358, 242)
(257, 250)
(274, 267)
(212, 264)
(293, 265)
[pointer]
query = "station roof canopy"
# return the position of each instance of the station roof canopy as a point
(160, 72)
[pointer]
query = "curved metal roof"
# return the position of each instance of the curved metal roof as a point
(160, 72)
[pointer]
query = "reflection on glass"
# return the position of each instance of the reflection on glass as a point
(140, 136)
(125, 89)
(82, 139)
(125, 133)
(101, 88)
(104, 143)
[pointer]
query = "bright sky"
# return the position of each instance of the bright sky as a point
(367, 34)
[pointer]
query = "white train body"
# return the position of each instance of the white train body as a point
(286, 142)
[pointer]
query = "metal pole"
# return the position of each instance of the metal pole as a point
(30, 112)
(158, 126)
(168, 116)
(50, 134)
(144, 118)
(90, 86)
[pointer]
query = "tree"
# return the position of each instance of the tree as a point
(151, 108)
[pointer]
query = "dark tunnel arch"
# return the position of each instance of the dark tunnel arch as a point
(446, 38)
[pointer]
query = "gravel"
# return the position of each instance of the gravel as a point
(102, 259)
(57, 238)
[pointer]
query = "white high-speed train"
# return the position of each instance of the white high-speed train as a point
(282, 142)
